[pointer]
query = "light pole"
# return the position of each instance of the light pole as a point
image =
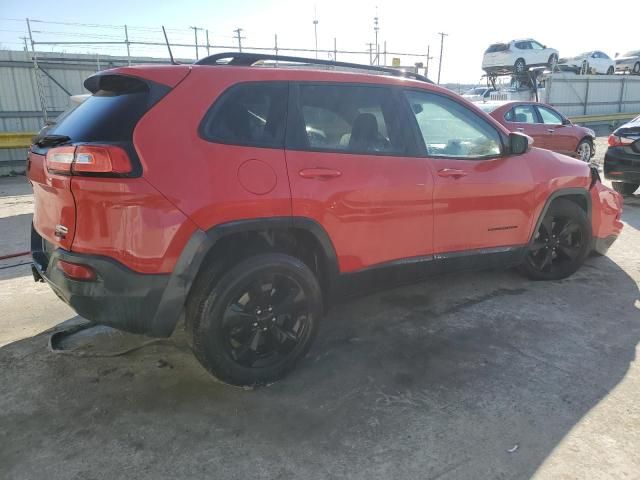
(375, 29)
(442, 35)
(315, 29)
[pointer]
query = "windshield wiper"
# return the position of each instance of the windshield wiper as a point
(52, 140)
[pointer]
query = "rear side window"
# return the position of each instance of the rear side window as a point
(252, 114)
(497, 47)
(349, 118)
(112, 112)
(523, 45)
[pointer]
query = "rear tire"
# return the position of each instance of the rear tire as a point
(625, 188)
(610, 71)
(519, 66)
(561, 243)
(585, 150)
(257, 321)
(636, 68)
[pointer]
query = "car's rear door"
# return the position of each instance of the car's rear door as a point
(351, 169)
(482, 196)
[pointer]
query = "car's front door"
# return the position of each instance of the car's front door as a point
(562, 137)
(525, 119)
(351, 169)
(482, 196)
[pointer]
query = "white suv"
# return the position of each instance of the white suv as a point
(517, 55)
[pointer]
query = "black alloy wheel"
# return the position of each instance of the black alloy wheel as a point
(252, 321)
(266, 321)
(561, 243)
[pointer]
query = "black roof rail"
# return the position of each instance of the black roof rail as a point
(246, 59)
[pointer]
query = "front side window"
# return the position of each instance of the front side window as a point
(521, 114)
(249, 114)
(351, 119)
(549, 117)
(536, 46)
(452, 130)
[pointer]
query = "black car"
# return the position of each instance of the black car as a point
(622, 160)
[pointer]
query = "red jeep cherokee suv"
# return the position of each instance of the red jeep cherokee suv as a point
(247, 198)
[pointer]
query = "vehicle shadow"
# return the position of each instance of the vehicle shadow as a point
(435, 380)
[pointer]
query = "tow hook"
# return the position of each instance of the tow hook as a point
(36, 274)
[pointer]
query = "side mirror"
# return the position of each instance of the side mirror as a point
(519, 143)
(566, 121)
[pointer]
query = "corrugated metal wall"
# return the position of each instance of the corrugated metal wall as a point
(592, 94)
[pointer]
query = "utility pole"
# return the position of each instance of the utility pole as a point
(195, 36)
(429, 58)
(315, 28)
(208, 45)
(26, 48)
(238, 31)
(375, 29)
(442, 35)
(370, 53)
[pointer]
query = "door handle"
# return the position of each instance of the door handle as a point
(319, 173)
(520, 129)
(550, 130)
(451, 172)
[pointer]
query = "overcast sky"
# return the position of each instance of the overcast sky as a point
(407, 26)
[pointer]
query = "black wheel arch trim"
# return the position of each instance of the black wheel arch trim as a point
(172, 303)
(563, 192)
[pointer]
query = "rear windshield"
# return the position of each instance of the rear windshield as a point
(110, 114)
(497, 47)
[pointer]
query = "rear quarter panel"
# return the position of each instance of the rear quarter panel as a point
(198, 176)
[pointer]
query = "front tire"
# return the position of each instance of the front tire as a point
(553, 62)
(561, 243)
(636, 68)
(584, 151)
(610, 71)
(253, 325)
(625, 188)
(519, 66)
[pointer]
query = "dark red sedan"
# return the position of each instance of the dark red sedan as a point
(548, 127)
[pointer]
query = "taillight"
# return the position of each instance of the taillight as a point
(60, 159)
(617, 141)
(87, 159)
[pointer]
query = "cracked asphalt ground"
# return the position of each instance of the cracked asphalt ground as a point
(471, 376)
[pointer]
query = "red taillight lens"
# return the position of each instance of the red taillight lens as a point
(76, 271)
(616, 141)
(60, 159)
(101, 159)
(88, 159)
